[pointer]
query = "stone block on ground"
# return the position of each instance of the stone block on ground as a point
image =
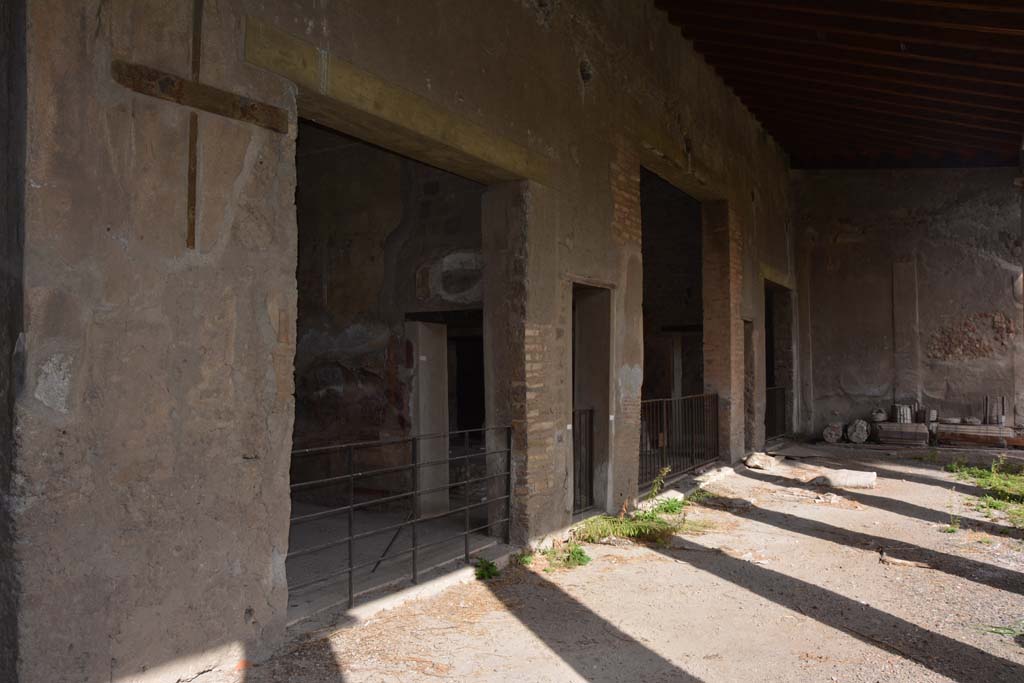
(847, 479)
(762, 461)
(833, 432)
(857, 431)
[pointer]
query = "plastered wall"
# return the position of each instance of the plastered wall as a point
(914, 287)
(150, 479)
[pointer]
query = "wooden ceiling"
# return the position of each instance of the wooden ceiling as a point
(871, 83)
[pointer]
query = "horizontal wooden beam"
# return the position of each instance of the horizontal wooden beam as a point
(831, 102)
(967, 6)
(818, 10)
(342, 96)
(796, 137)
(901, 130)
(799, 90)
(690, 20)
(740, 39)
(162, 85)
(737, 78)
(943, 128)
(713, 50)
(748, 29)
(771, 66)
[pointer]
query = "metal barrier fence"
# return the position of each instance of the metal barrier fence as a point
(775, 422)
(582, 459)
(393, 478)
(681, 433)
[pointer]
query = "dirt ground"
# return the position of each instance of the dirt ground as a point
(789, 585)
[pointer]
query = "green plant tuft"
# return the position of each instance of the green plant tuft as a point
(699, 496)
(1014, 630)
(566, 556)
(658, 484)
(486, 569)
(523, 559)
(645, 527)
(1005, 486)
(669, 506)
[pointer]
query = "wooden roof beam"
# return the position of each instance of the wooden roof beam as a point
(684, 16)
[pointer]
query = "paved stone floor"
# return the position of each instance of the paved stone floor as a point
(789, 585)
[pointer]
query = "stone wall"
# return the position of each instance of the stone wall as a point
(914, 281)
(12, 182)
(156, 422)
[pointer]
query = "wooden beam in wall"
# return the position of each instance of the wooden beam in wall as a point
(166, 86)
(339, 95)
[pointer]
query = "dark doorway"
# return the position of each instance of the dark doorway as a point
(591, 356)
(393, 470)
(678, 421)
(466, 387)
(778, 360)
(673, 306)
(749, 383)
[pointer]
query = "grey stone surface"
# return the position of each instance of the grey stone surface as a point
(857, 431)
(850, 479)
(942, 251)
(762, 461)
(160, 480)
(833, 432)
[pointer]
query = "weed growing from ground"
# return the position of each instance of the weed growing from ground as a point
(566, 556)
(655, 525)
(1013, 630)
(699, 496)
(658, 484)
(644, 527)
(485, 569)
(669, 506)
(1005, 484)
(523, 559)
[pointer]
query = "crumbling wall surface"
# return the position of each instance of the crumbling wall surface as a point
(12, 184)
(151, 495)
(152, 515)
(913, 277)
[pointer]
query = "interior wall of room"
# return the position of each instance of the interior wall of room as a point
(12, 184)
(380, 236)
(159, 381)
(914, 283)
(673, 298)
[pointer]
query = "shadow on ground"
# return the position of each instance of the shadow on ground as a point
(943, 655)
(899, 507)
(313, 661)
(595, 648)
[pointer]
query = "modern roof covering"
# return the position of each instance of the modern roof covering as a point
(871, 83)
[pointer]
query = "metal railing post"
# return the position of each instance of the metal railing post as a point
(465, 496)
(415, 509)
(508, 485)
(351, 532)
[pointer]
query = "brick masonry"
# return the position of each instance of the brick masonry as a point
(625, 189)
(723, 326)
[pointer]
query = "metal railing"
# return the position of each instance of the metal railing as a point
(775, 422)
(360, 480)
(681, 433)
(582, 459)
